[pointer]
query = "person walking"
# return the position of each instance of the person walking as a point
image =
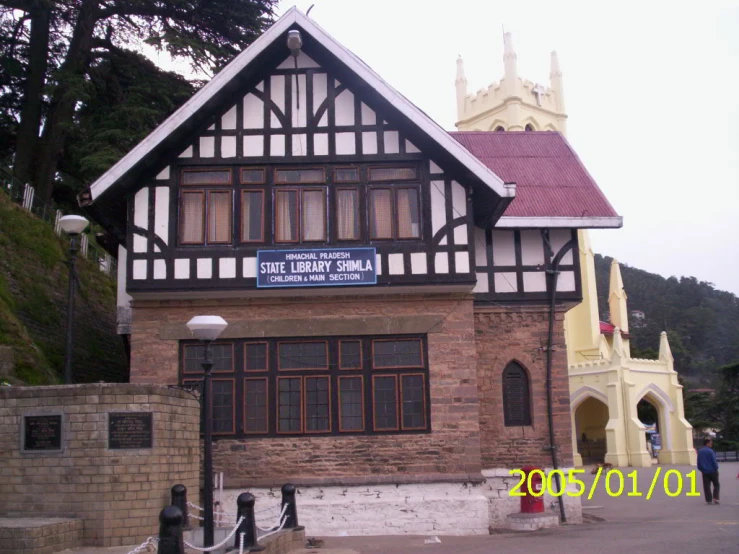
(708, 466)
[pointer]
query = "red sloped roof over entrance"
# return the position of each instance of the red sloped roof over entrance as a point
(550, 179)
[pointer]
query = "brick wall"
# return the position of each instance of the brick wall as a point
(504, 334)
(118, 493)
(453, 446)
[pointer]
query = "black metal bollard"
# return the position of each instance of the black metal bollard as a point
(245, 508)
(179, 499)
(288, 498)
(170, 531)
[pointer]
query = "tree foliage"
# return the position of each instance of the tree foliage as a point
(56, 56)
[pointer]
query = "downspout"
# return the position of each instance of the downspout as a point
(553, 273)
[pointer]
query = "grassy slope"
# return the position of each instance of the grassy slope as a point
(33, 285)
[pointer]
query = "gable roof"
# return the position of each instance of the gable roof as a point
(261, 52)
(553, 188)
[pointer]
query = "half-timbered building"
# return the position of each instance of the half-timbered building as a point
(387, 286)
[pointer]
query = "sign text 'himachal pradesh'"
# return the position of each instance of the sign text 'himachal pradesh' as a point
(316, 268)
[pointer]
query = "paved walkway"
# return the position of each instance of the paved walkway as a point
(661, 525)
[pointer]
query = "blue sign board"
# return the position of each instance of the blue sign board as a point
(324, 267)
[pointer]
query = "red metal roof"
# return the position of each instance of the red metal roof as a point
(550, 179)
(609, 328)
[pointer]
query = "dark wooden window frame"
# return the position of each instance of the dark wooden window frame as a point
(239, 376)
(361, 401)
(511, 419)
(242, 205)
(329, 186)
(384, 367)
(213, 371)
(398, 416)
(266, 404)
(233, 403)
(251, 343)
(361, 359)
(248, 183)
(324, 368)
(300, 190)
(395, 227)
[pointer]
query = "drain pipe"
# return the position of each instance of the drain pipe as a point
(553, 272)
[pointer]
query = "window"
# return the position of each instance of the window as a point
(221, 355)
(201, 206)
(299, 176)
(347, 214)
(346, 175)
(394, 213)
(516, 399)
(392, 173)
(255, 405)
(206, 177)
(300, 215)
(325, 386)
(529, 127)
(222, 395)
(397, 353)
(206, 214)
(252, 216)
(286, 205)
(252, 176)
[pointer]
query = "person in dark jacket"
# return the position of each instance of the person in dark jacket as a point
(708, 466)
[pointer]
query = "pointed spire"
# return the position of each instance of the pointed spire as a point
(617, 299)
(460, 71)
(509, 61)
(460, 84)
(555, 81)
(665, 353)
(555, 71)
(619, 352)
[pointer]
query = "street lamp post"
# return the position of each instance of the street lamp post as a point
(207, 328)
(72, 225)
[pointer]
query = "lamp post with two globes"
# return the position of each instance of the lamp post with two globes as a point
(72, 225)
(207, 328)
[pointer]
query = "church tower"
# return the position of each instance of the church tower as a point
(517, 104)
(513, 103)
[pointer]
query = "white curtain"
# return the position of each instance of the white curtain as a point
(286, 212)
(191, 212)
(381, 214)
(314, 215)
(347, 214)
(219, 216)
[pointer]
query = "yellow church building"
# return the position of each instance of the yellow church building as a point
(606, 383)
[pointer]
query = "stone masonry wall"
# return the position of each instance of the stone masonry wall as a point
(451, 449)
(505, 334)
(117, 493)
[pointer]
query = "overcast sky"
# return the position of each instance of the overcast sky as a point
(651, 89)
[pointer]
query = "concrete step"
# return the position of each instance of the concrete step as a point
(37, 535)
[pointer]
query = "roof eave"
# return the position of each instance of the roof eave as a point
(605, 222)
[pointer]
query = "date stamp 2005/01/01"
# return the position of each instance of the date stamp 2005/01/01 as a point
(614, 482)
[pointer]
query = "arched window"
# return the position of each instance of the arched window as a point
(499, 128)
(516, 400)
(530, 127)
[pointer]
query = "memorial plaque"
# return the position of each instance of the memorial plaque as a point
(42, 432)
(128, 430)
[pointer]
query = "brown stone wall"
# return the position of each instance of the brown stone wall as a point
(117, 493)
(452, 447)
(505, 334)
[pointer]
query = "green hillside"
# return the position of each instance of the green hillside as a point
(33, 304)
(702, 323)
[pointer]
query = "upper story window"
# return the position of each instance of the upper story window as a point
(206, 207)
(300, 205)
